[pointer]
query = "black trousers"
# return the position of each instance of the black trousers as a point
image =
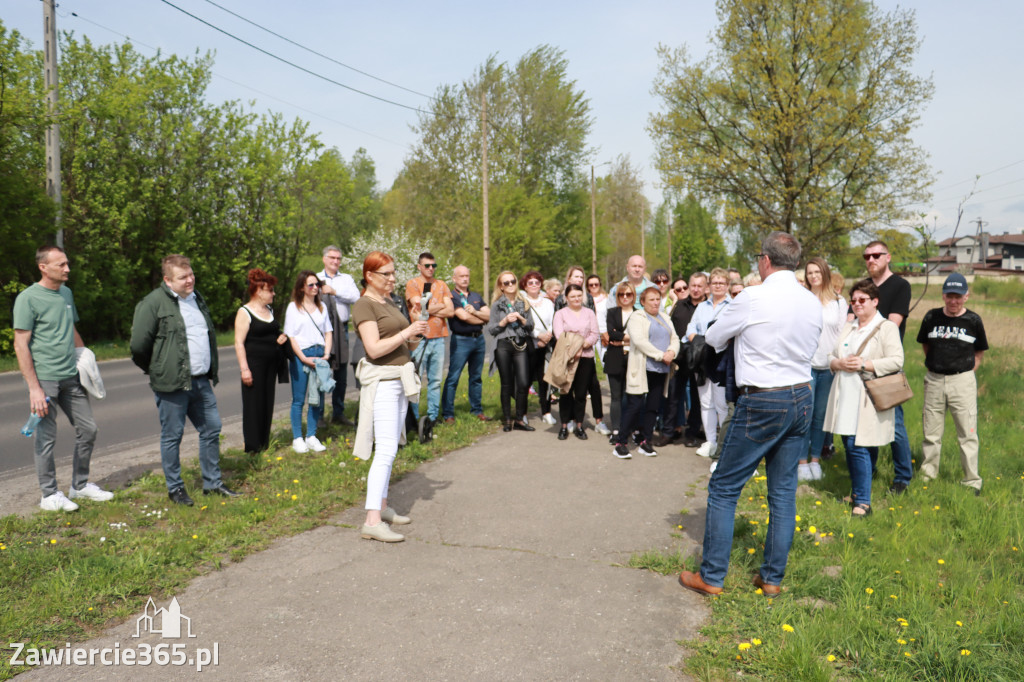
(573, 404)
(596, 404)
(258, 404)
(641, 412)
(514, 370)
(537, 356)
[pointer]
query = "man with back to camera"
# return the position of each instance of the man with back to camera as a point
(339, 292)
(174, 342)
(893, 305)
(45, 339)
(953, 339)
(467, 346)
(440, 308)
(773, 413)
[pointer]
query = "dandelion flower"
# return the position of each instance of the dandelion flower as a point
(965, 652)
(295, 480)
(744, 646)
(53, 541)
(812, 529)
(830, 658)
(195, 537)
(893, 596)
(751, 550)
(755, 641)
(959, 624)
(295, 497)
(798, 518)
(798, 529)
(935, 508)
(279, 458)
(202, 508)
(869, 590)
(901, 641)
(817, 502)
(907, 654)
(941, 561)
(786, 627)
(849, 535)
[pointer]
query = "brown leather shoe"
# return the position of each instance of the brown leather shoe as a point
(693, 581)
(483, 417)
(766, 589)
(449, 420)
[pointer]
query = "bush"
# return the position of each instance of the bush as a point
(1009, 289)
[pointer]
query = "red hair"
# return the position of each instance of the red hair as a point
(257, 278)
(373, 262)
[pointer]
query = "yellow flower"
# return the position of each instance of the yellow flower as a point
(907, 654)
(830, 658)
(195, 537)
(965, 652)
(942, 561)
(901, 641)
(755, 641)
(935, 508)
(295, 480)
(202, 508)
(279, 458)
(764, 506)
(53, 541)
(817, 502)
(786, 627)
(816, 544)
(798, 518)
(679, 527)
(798, 529)
(744, 646)
(893, 596)
(812, 529)
(758, 591)
(959, 624)
(869, 590)
(295, 497)
(90, 608)
(850, 535)
(751, 550)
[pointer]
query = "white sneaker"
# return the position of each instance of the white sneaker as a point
(603, 429)
(57, 502)
(705, 449)
(647, 450)
(314, 444)
(816, 472)
(548, 419)
(803, 472)
(714, 465)
(571, 425)
(299, 446)
(91, 491)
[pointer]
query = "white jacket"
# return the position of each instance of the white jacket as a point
(89, 373)
(369, 375)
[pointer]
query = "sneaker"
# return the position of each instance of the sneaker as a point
(314, 444)
(91, 491)
(647, 450)
(714, 465)
(548, 419)
(816, 473)
(705, 449)
(57, 502)
(532, 391)
(622, 452)
(803, 472)
(299, 446)
(898, 488)
(571, 425)
(394, 518)
(380, 532)
(603, 429)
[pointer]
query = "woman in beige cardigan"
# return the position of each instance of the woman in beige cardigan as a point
(851, 413)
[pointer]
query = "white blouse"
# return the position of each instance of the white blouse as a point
(307, 328)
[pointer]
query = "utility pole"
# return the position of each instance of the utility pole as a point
(593, 222)
(643, 236)
(53, 188)
(487, 219)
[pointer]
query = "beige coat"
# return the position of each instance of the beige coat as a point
(562, 365)
(885, 350)
(640, 348)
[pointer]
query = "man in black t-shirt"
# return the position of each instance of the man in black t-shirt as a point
(953, 339)
(893, 305)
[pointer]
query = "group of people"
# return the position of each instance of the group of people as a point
(711, 357)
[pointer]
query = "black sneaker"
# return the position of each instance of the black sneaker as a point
(622, 452)
(898, 487)
(647, 450)
(563, 433)
(579, 433)
(425, 429)
(179, 496)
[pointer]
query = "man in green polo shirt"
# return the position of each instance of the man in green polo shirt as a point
(45, 339)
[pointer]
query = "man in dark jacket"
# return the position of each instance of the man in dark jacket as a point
(174, 342)
(684, 381)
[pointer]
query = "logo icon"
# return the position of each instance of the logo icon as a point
(166, 622)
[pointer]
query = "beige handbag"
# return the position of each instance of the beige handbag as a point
(888, 391)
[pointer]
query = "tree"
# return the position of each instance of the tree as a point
(537, 124)
(622, 212)
(800, 119)
(696, 242)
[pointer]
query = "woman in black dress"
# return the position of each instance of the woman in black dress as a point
(258, 341)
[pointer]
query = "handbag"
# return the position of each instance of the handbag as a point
(888, 391)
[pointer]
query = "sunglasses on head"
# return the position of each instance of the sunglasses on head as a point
(873, 256)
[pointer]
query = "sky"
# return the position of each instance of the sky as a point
(971, 129)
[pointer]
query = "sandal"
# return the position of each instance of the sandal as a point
(861, 509)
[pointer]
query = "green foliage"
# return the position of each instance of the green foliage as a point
(622, 212)
(1010, 289)
(800, 119)
(696, 242)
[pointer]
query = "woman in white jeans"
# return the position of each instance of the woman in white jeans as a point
(713, 408)
(387, 377)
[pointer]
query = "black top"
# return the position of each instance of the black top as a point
(261, 345)
(952, 341)
(682, 313)
(894, 297)
(459, 300)
(614, 361)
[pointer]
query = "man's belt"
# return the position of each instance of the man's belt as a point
(746, 390)
(469, 334)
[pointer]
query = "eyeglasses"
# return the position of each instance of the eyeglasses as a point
(761, 255)
(873, 256)
(719, 284)
(679, 290)
(533, 282)
(312, 286)
(385, 275)
(428, 265)
(661, 281)
(594, 284)
(508, 282)
(859, 301)
(624, 294)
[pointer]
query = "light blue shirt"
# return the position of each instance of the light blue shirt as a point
(703, 315)
(199, 352)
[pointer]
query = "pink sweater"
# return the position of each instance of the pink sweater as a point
(584, 323)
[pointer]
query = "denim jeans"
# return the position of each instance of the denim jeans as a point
(463, 350)
(432, 364)
(74, 401)
(821, 382)
(902, 465)
(299, 384)
(773, 426)
(199, 404)
(858, 462)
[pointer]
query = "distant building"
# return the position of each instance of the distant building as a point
(985, 252)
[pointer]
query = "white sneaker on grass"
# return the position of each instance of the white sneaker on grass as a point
(314, 444)
(57, 502)
(299, 446)
(91, 491)
(816, 473)
(603, 429)
(803, 472)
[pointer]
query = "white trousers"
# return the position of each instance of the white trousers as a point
(389, 407)
(713, 409)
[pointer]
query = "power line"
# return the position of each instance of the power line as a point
(293, 64)
(318, 54)
(249, 87)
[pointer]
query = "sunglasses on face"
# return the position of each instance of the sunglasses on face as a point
(679, 290)
(312, 285)
(625, 295)
(429, 265)
(661, 281)
(873, 256)
(594, 284)
(859, 301)
(508, 282)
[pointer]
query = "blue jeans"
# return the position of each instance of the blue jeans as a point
(431, 364)
(858, 461)
(821, 382)
(464, 350)
(199, 404)
(299, 381)
(902, 466)
(773, 425)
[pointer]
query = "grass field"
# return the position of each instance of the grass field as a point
(927, 588)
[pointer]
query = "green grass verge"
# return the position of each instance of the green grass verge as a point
(927, 588)
(68, 577)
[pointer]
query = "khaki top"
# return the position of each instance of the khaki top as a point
(390, 321)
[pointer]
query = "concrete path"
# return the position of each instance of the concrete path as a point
(513, 569)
